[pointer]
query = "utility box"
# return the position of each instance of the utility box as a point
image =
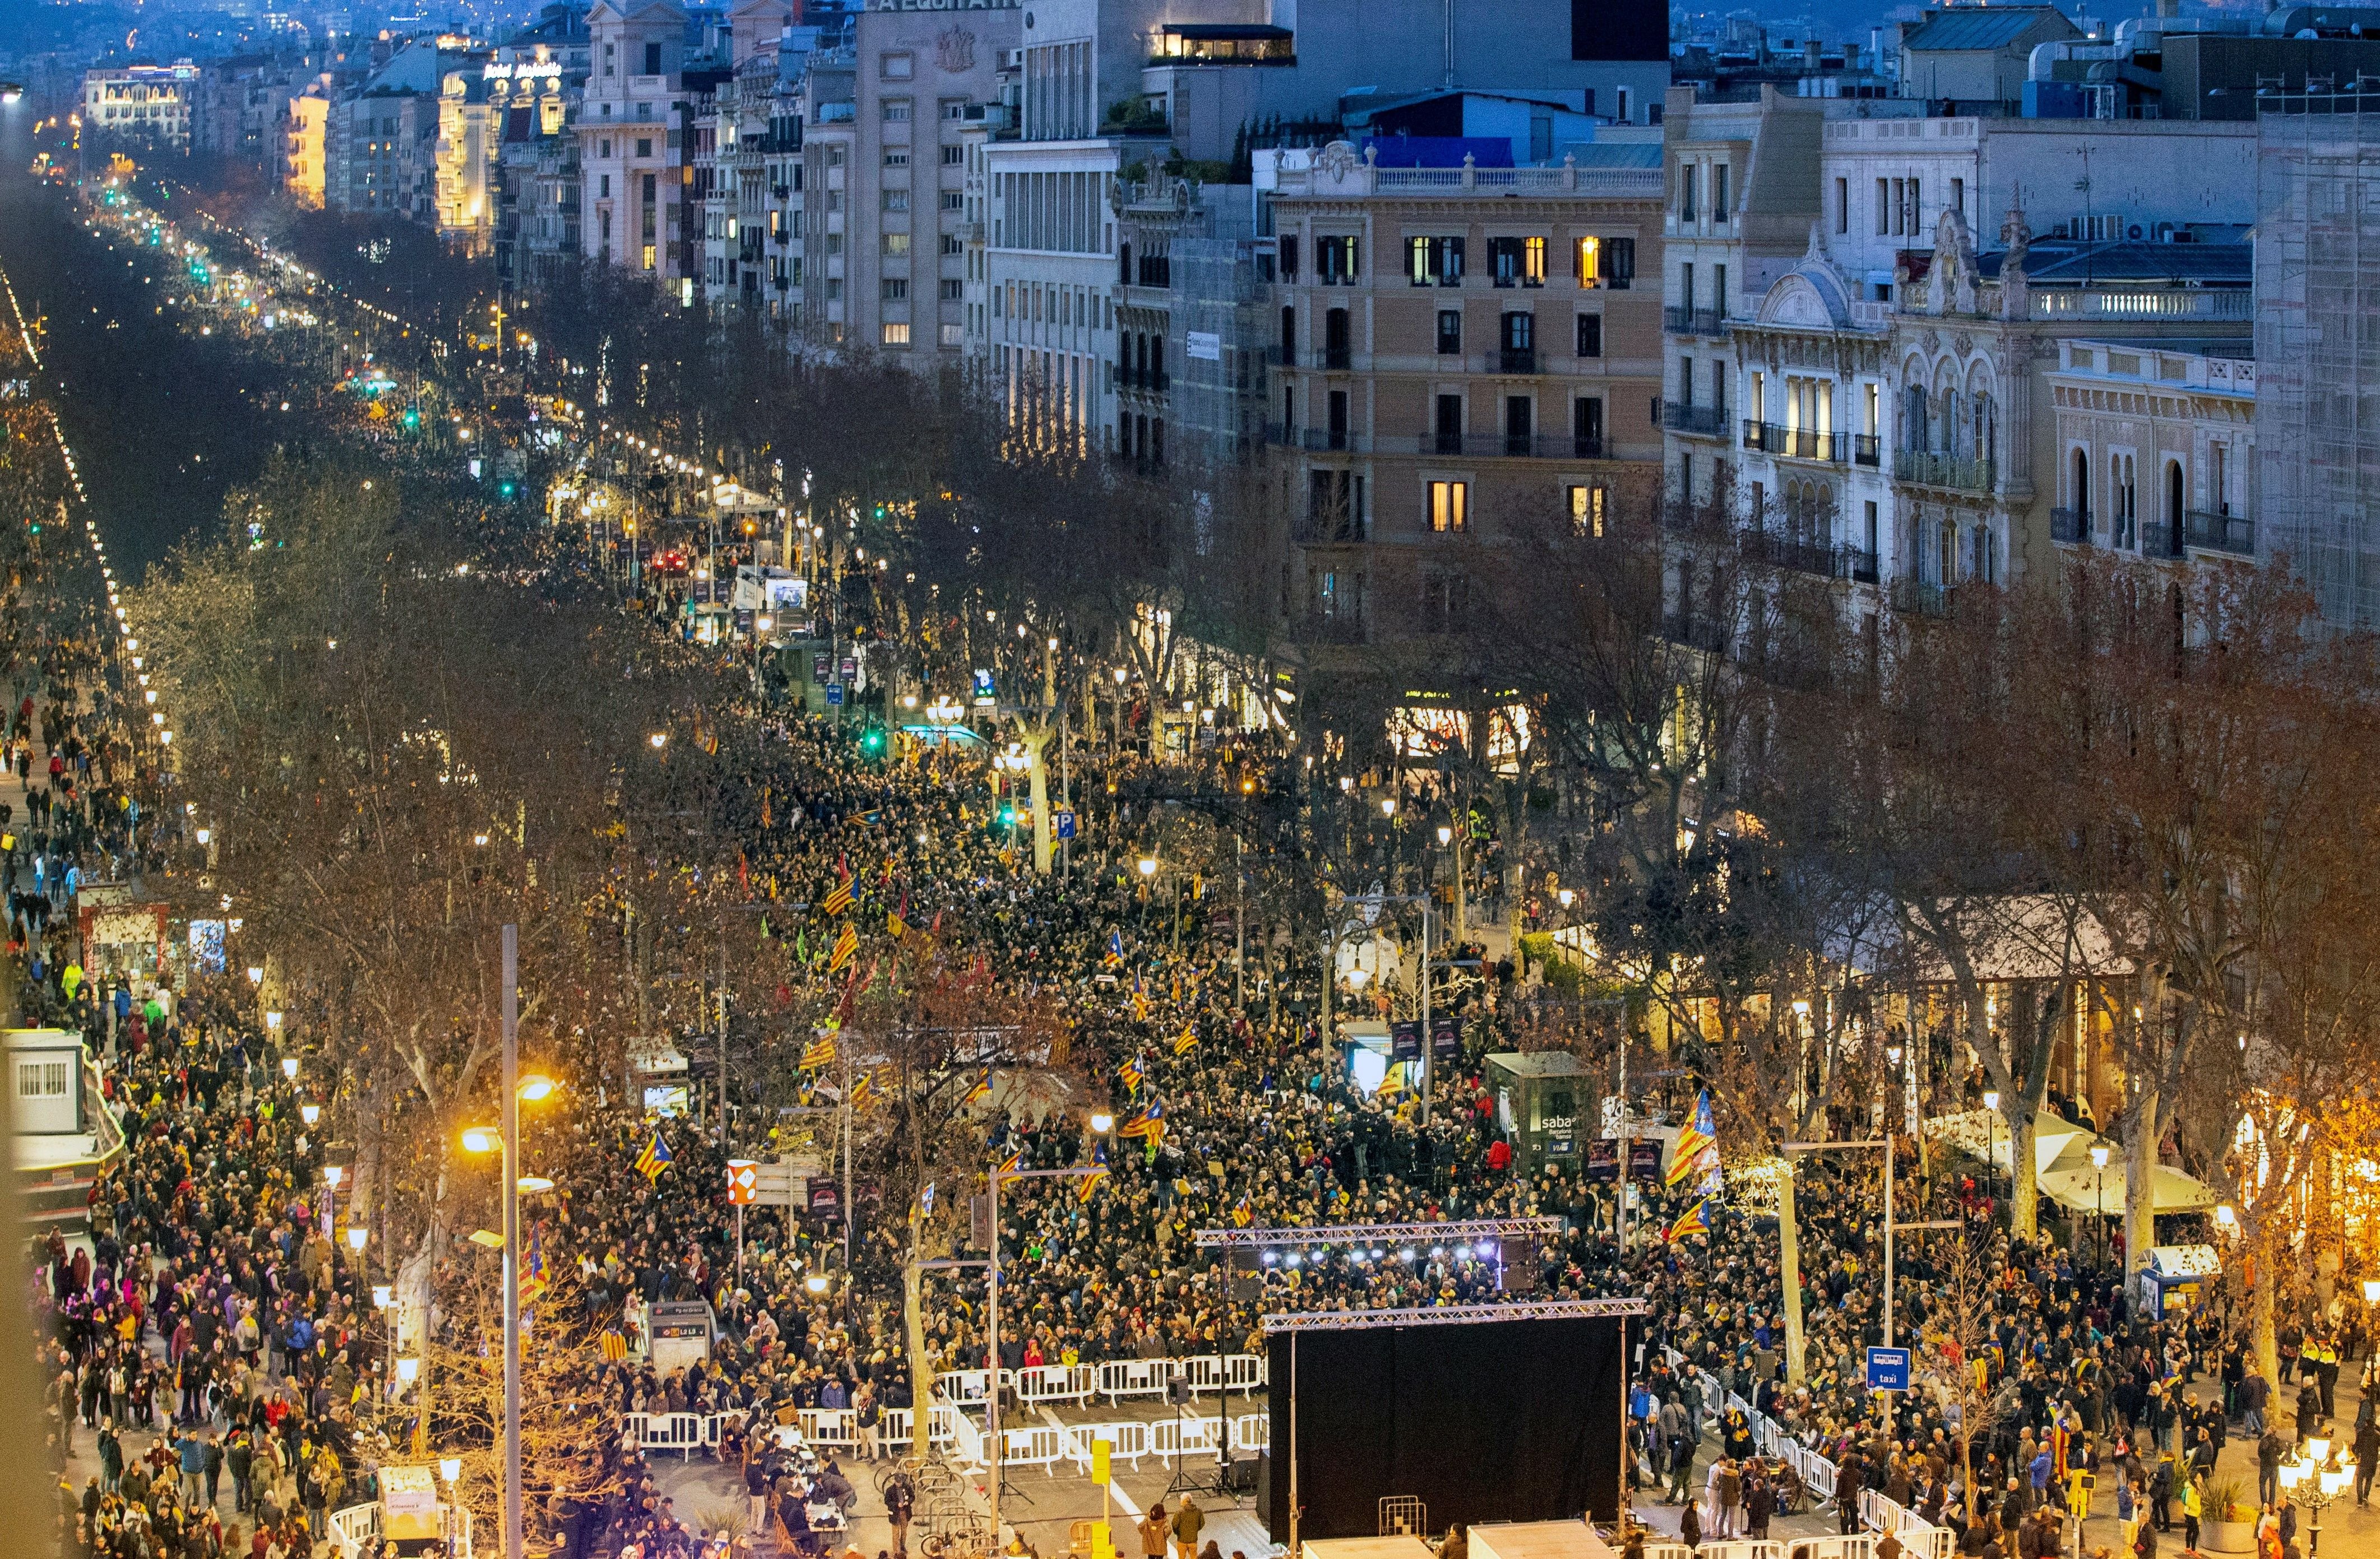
(45, 1077)
(678, 1332)
(1544, 1101)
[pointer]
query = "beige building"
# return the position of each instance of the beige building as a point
(2156, 446)
(305, 149)
(633, 162)
(1459, 350)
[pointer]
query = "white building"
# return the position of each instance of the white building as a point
(635, 212)
(141, 104)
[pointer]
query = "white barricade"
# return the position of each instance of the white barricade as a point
(1203, 1373)
(1185, 1436)
(1041, 1446)
(1127, 1441)
(1921, 1536)
(1819, 1473)
(1742, 1548)
(1857, 1546)
(1252, 1431)
(1243, 1371)
(963, 1386)
(829, 1426)
(1135, 1377)
(898, 1422)
(967, 1442)
(683, 1432)
(1056, 1383)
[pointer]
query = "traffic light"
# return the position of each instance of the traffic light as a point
(872, 742)
(505, 490)
(1008, 816)
(412, 418)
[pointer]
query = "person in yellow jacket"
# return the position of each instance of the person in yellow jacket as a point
(2192, 1505)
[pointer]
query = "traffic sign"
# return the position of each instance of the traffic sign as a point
(835, 693)
(742, 1182)
(1064, 823)
(1888, 1368)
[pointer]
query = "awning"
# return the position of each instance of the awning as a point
(2093, 1189)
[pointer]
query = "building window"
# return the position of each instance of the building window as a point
(1718, 192)
(1436, 261)
(1687, 188)
(898, 67)
(954, 336)
(896, 243)
(896, 159)
(1587, 509)
(896, 111)
(953, 289)
(1517, 261)
(953, 155)
(652, 59)
(1334, 260)
(896, 333)
(952, 244)
(896, 200)
(1590, 335)
(896, 289)
(1587, 428)
(1449, 333)
(1450, 507)
(644, 146)
(953, 200)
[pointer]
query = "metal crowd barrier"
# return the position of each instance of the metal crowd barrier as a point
(1917, 1534)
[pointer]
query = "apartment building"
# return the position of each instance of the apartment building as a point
(305, 146)
(2156, 444)
(1871, 402)
(1461, 351)
(633, 169)
(471, 118)
(141, 104)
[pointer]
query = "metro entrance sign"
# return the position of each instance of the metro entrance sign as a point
(1888, 1368)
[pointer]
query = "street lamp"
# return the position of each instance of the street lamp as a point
(1149, 866)
(2099, 1191)
(289, 1068)
(505, 1140)
(1992, 1124)
(1104, 1123)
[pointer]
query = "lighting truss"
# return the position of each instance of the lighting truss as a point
(1452, 1315)
(1367, 1233)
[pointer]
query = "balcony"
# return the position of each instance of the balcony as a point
(1955, 472)
(2157, 540)
(1516, 359)
(1678, 417)
(1795, 443)
(1678, 321)
(2071, 525)
(1825, 559)
(1866, 450)
(1920, 598)
(2220, 533)
(1318, 439)
(1155, 381)
(1338, 359)
(1496, 446)
(1330, 530)
(1332, 628)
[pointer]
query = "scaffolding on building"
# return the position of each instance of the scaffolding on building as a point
(2317, 288)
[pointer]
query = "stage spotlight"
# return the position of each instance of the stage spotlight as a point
(1436, 1251)
(1408, 1254)
(1378, 1253)
(1270, 1257)
(1293, 1258)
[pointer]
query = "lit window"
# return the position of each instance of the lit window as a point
(897, 334)
(1450, 506)
(1586, 510)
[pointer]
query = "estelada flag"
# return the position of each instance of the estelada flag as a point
(981, 1088)
(819, 1052)
(845, 946)
(1096, 1172)
(1188, 1041)
(532, 1278)
(1692, 1223)
(655, 1158)
(1130, 1076)
(1244, 1214)
(1011, 1167)
(1697, 1137)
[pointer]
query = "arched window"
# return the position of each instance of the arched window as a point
(1914, 434)
(2173, 500)
(2081, 493)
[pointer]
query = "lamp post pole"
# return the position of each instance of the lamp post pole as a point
(512, 1546)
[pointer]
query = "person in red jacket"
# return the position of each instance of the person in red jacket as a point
(1499, 1156)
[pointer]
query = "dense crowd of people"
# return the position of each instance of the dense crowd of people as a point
(212, 1313)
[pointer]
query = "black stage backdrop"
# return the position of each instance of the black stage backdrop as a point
(1498, 1420)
